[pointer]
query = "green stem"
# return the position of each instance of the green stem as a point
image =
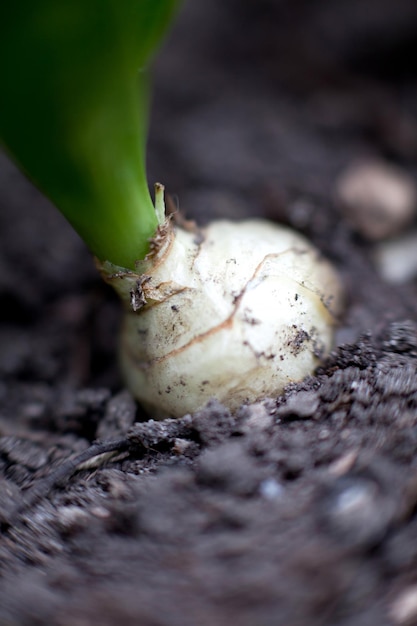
(74, 112)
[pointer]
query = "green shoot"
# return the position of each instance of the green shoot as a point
(74, 109)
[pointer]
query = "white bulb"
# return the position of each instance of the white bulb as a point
(235, 311)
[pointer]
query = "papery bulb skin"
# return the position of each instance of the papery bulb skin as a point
(235, 311)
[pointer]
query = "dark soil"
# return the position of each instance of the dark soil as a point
(299, 510)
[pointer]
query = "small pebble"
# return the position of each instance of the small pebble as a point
(396, 261)
(71, 516)
(270, 489)
(404, 608)
(357, 509)
(379, 199)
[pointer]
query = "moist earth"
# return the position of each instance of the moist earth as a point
(299, 509)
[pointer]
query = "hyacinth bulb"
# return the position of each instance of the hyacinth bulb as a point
(234, 311)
